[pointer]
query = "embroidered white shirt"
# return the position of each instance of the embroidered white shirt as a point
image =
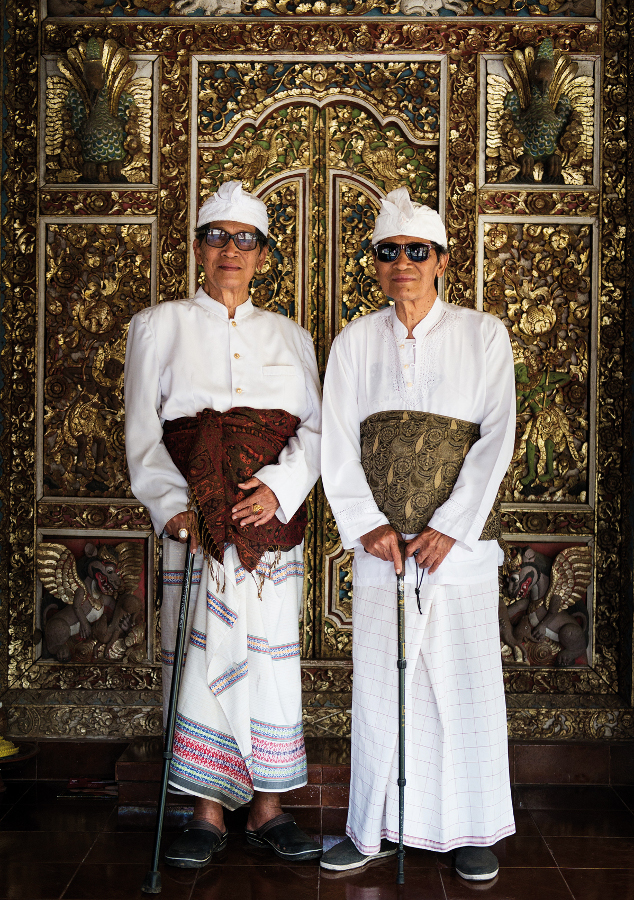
(188, 355)
(460, 365)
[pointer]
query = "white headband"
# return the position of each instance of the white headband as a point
(400, 215)
(231, 204)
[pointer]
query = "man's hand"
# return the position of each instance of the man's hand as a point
(264, 496)
(183, 520)
(432, 546)
(384, 543)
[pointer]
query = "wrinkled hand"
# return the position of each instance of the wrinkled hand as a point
(385, 543)
(432, 547)
(263, 495)
(183, 520)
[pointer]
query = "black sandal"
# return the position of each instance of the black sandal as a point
(199, 843)
(283, 836)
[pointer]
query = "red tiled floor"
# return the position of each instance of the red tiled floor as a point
(583, 823)
(33, 880)
(626, 794)
(123, 882)
(72, 815)
(23, 848)
(592, 853)
(524, 824)
(522, 852)
(271, 882)
(600, 884)
(564, 796)
(78, 849)
(510, 884)
(378, 882)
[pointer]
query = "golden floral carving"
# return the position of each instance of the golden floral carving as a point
(97, 276)
(229, 93)
(560, 714)
(537, 280)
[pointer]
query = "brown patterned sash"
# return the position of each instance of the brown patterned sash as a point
(412, 461)
(217, 451)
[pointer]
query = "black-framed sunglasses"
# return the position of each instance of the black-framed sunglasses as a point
(243, 240)
(389, 252)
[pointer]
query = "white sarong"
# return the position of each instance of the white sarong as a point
(239, 722)
(456, 757)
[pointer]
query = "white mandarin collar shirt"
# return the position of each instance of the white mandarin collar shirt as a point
(460, 365)
(184, 356)
(202, 298)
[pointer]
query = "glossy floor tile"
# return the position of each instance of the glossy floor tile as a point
(600, 884)
(572, 843)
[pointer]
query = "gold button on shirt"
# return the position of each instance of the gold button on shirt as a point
(238, 390)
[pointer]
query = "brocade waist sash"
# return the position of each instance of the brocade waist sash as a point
(412, 461)
(217, 451)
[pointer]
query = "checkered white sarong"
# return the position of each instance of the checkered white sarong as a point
(456, 757)
(239, 723)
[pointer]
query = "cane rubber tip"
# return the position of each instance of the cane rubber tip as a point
(152, 883)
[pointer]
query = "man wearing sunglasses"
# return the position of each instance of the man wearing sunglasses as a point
(418, 431)
(223, 418)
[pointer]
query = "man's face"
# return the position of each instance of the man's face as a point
(227, 268)
(407, 280)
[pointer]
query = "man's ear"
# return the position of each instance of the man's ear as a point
(262, 258)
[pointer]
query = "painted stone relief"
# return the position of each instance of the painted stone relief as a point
(545, 611)
(93, 603)
(539, 118)
(537, 279)
(98, 117)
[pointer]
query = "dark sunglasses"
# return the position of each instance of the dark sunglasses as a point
(244, 240)
(387, 253)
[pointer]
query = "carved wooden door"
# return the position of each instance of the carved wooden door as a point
(321, 143)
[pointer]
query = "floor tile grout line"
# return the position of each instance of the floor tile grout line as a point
(76, 872)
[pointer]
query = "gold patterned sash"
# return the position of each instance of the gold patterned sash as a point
(412, 461)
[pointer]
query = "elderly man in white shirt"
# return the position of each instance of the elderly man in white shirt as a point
(418, 431)
(223, 418)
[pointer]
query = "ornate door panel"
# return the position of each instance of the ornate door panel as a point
(320, 114)
(321, 143)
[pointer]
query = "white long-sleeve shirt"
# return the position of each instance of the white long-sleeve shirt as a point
(461, 366)
(188, 355)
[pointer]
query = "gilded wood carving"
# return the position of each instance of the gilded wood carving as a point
(322, 136)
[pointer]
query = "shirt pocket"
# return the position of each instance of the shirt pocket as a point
(285, 388)
(279, 370)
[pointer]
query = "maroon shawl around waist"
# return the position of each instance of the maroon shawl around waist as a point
(217, 451)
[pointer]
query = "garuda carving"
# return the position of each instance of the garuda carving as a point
(98, 117)
(543, 607)
(103, 617)
(540, 123)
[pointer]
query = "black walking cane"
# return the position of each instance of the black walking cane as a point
(152, 882)
(402, 664)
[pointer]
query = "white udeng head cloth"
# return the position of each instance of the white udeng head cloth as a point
(400, 215)
(231, 204)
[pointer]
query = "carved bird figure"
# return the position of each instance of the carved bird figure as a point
(540, 109)
(99, 96)
(381, 160)
(543, 116)
(257, 158)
